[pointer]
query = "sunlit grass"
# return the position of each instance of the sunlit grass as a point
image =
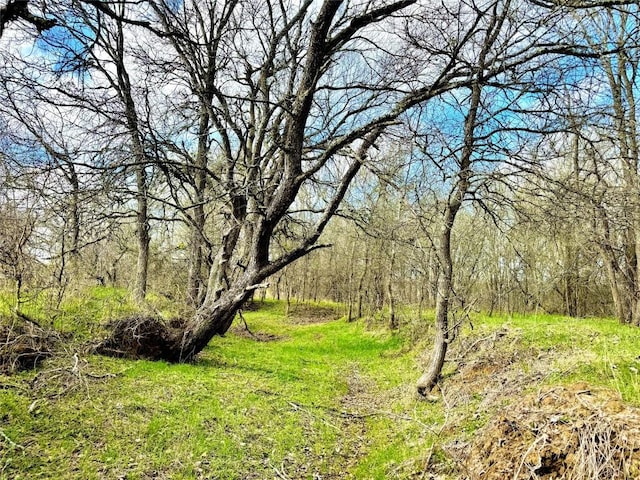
(245, 408)
(321, 398)
(598, 351)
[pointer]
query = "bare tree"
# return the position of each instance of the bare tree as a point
(261, 114)
(600, 180)
(491, 98)
(621, 72)
(17, 226)
(18, 10)
(281, 125)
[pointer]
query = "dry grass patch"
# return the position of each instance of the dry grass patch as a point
(299, 314)
(493, 368)
(570, 433)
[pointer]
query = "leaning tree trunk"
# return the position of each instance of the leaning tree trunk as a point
(210, 320)
(441, 340)
(445, 281)
(144, 337)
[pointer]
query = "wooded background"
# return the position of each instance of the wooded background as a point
(455, 154)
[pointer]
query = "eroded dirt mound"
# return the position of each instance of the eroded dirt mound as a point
(568, 433)
(493, 368)
(24, 346)
(303, 313)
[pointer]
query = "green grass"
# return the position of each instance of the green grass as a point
(597, 351)
(330, 399)
(85, 314)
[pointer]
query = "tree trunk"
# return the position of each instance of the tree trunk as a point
(458, 193)
(142, 220)
(278, 282)
(441, 340)
(210, 321)
(122, 84)
(420, 300)
(615, 273)
(361, 280)
(219, 276)
(195, 284)
(305, 275)
(393, 321)
(570, 282)
(351, 291)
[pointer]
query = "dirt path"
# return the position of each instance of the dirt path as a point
(357, 405)
(350, 418)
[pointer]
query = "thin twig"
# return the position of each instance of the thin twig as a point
(11, 442)
(246, 326)
(541, 438)
(302, 409)
(279, 473)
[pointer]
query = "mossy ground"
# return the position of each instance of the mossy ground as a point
(307, 396)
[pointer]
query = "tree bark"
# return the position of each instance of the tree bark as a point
(441, 339)
(211, 320)
(351, 290)
(393, 321)
(457, 196)
(363, 275)
(144, 239)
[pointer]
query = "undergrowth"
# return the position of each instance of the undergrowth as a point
(295, 393)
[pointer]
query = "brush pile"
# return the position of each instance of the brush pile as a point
(23, 345)
(140, 336)
(568, 433)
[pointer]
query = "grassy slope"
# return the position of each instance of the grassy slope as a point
(329, 400)
(599, 351)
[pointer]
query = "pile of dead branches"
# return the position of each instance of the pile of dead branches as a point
(24, 345)
(139, 336)
(571, 433)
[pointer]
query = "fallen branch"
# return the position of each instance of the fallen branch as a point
(279, 474)
(26, 318)
(246, 326)
(9, 441)
(57, 382)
